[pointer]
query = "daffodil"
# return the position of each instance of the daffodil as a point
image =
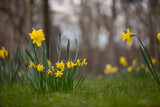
(59, 73)
(31, 64)
(108, 69)
(70, 64)
(52, 68)
(129, 69)
(37, 36)
(49, 72)
(146, 69)
(49, 63)
(3, 53)
(40, 68)
(153, 60)
(134, 62)
(114, 69)
(138, 69)
(60, 65)
(142, 65)
(19, 74)
(127, 36)
(84, 62)
(158, 36)
(78, 62)
(123, 61)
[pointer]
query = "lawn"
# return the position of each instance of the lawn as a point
(126, 91)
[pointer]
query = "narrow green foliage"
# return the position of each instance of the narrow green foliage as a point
(148, 61)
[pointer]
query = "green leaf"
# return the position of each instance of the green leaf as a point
(29, 55)
(147, 63)
(68, 50)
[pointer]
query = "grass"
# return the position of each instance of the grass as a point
(131, 91)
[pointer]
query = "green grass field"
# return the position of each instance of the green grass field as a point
(122, 92)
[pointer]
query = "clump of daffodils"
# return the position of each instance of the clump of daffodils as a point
(110, 70)
(46, 76)
(61, 67)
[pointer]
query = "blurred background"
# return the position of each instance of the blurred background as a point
(96, 24)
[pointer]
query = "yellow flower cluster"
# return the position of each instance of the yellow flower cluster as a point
(59, 65)
(109, 69)
(136, 67)
(37, 36)
(39, 67)
(3, 53)
(70, 64)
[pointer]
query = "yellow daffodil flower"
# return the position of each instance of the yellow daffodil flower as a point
(4, 50)
(60, 65)
(19, 74)
(68, 65)
(40, 67)
(158, 36)
(37, 36)
(138, 69)
(84, 62)
(123, 61)
(31, 64)
(142, 65)
(78, 62)
(146, 69)
(114, 69)
(153, 60)
(127, 36)
(59, 73)
(52, 68)
(49, 72)
(134, 62)
(3, 53)
(129, 69)
(108, 69)
(49, 63)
